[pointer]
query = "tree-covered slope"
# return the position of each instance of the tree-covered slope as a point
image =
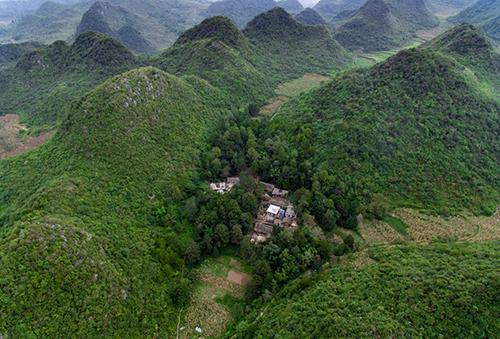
(10, 53)
(417, 128)
(216, 51)
(75, 214)
(45, 80)
(239, 11)
(485, 13)
(290, 48)
(437, 291)
(310, 17)
(51, 21)
(118, 23)
(330, 8)
(468, 45)
(291, 6)
(385, 24)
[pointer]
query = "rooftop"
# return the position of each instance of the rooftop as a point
(273, 209)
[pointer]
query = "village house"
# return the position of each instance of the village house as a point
(279, 193)
(273, 211)
(233, 181)
(219, 187)
(290, 213)
(268, 187)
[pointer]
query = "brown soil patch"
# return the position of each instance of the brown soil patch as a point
(431, 33)
(11, 143)
(240, 278)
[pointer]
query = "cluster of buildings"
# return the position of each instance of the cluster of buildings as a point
(225, 186)
(280, 211)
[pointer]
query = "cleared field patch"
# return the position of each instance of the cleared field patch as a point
(220, 286)
(307, 82)
(13, 140)
(380, 232)
(207, 315)
(271, 108)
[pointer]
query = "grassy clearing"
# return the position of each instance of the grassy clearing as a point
(206, 314)
(381, 56)
(307, 82)
(363, 62)
(380, 232)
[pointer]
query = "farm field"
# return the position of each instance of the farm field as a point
(219, 290)
(407, 226)
(295, 87)
(381, 56)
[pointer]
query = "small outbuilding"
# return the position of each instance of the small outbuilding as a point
(290, 213)
(279, 193)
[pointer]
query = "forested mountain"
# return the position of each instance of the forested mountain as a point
(51, 21)
(384, 24)
(217, 51)
(486, 14)
(469, 46)
(111, 229)
(293, 48)
(416, 128)
(144, 26)
(331, 8)
(75, 215)
(46, 79)
(291, 6)
(118, 23)
(310, 17)
(10, 53)
(450, 5)
(239, 11)
(444, 290)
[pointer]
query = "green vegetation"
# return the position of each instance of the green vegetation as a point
(239, 11)
(290, 49)
(381, 25)
(484, 13)
(51, 21)
(79, 214)
(436, 291)
(291, 6)
(307, 82)
(328, 9)
(310, 17)
(469, 46)
(45, 80)
(10, 53)
(416, 128)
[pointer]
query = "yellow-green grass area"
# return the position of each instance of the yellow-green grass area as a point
(381, 56)
(363, 62)
(220, 288)
(407, 226)
(307, 82)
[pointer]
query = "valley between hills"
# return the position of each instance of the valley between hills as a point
(250, 169)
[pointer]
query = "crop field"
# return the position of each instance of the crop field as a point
(307, 82)
(271, 108)
(413, 227)
(221, 283)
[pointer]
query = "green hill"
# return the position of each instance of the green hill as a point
(486, 14)
(331, 8)
(10, 53)
(436, 291)
(52, 21)
(310, 17)
(468, 45)
(291, 49)
(418, 128)
(385, 24)
(118, 23)
(45, 80)
(216, 51)
(75, 214)
(239, 11)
